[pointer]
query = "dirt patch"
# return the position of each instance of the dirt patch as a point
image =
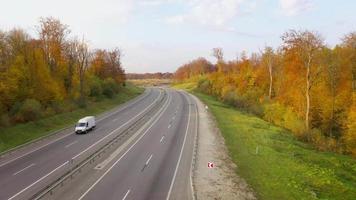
(221, 181)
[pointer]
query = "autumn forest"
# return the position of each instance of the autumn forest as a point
(304, 85)
(52, 73)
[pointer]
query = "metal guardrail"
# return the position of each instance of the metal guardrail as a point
(73, 167)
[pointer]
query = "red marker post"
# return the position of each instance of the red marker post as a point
(210, 165)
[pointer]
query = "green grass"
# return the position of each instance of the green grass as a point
(284, 168)
(13, 136)
(189, 86)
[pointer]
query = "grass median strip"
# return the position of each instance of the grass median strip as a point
(13, 136)
(278, 166)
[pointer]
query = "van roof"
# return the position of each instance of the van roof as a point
(85, 119)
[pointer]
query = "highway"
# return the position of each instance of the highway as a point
(153, 162)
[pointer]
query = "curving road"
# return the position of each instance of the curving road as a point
(152, 163)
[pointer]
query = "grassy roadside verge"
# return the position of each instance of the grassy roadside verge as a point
(274, 163)
(13, 136)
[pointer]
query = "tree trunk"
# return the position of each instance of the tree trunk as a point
(270, 81)
(69, 83)
(307, 94)
(81, 77)
(332, 110)
(353, 82)
(307, 106)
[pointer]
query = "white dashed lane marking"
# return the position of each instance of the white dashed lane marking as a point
(148, 160)
(33, 164)
(70, 144)
(127, 193)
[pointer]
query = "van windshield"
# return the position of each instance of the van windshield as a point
(81, 124)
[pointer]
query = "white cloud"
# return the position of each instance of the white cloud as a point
(210, 12)
(295, 7)
(80, 14)
(178, 19)
(154, 2)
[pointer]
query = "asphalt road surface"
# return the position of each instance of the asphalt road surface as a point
(154, 163)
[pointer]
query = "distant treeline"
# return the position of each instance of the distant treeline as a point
(304, 86)
(52, 73)
(157, 75)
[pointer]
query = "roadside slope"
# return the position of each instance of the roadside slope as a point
(275, 164)
(13, 136)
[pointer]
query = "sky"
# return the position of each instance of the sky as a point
(161, 35)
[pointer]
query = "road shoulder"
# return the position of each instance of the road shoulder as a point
(221, 181)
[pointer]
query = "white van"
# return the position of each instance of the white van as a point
(85, 124)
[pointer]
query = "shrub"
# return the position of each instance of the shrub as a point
(49, 111)
(292, 122)
(274, 113)
(281, 115)
(252, 96)
(30, 110)
(4, 120)
(57, 106)
(2, 108)
(229, 97)
(81, 102)
(15, 108)
(204, 85)
(321, 142)
(109, 87)
(350, 136)
(95, 88)
(256, 109)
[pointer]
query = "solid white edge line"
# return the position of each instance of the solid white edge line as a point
(180, 156)
(43, 177)
(113, 165)
(14, 174)
(53, 141)
(127, 193)
(112, 132)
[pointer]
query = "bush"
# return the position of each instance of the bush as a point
(229, 97)
(48, 112)
(96, 89)
(204, 85)
(283, 116)
(274, 113)
(256, 109)
(4, 120)
(350, 136)
(321, 142)
(241, 102)
(2, 108)
(30, 110)
(57, 107)
(109, 87)
(15, 109)
(293, 122)
(251, 96)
